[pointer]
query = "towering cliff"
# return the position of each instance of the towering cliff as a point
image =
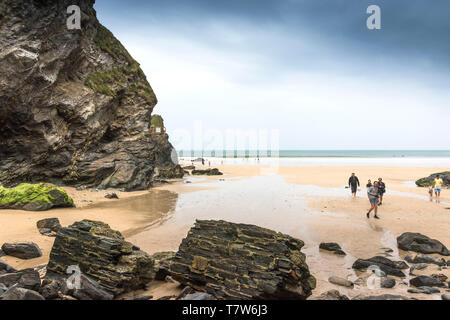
(75, 107)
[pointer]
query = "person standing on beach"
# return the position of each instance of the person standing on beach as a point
(373, 195)
(369, 184)
(430, 192)
(353, 183)
(437, 184)
(381, 190)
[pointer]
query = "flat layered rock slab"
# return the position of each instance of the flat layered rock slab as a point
(103, 255)
(238, 261)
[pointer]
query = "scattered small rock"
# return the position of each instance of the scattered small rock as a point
(332, 295)
(445, 296)
(440, 277)
(423, 258)
(167, 298)
(199, 297)
(143, 298)
(424, 290)
(48, 227)
(91, 290)
(27, 279)
(15, 293)
(419, 266)
(387, 282)
(112, 195)
(341, 282)
(162, 264)
(389, 267)
(169, 279)
(426, 281)
(207, 172)
(6, 267)
(24, 250)
(333, 247)
(50, 289)
(420, 243)
(186, 291)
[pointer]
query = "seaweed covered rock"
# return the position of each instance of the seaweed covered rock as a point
(417, 242)
(34, 197)
(428, 181)
(238, 261)
(103, 255)
(207, 172)
(75, 106)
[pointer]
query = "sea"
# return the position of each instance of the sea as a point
(432, 158)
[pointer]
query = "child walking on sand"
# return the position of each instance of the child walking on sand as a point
(430, 192)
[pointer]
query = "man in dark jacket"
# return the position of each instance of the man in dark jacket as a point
(353, 183)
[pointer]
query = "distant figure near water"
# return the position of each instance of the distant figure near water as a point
(430, 192)
(353, 183)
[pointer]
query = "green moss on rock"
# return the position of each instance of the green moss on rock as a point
(107, 42)
(34, 197)
(129, 76)
(157, 121)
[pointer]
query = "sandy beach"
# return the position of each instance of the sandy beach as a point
(306, 202)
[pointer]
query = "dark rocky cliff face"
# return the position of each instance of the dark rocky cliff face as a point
(75, 107)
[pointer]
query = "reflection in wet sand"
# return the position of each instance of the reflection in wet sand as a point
(269, 201)
(153, 208)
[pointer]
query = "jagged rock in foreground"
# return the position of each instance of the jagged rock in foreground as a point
(103, 255)
(237, 261)
(34, 197)
(428, 181)
(75, 107)
(417, 242)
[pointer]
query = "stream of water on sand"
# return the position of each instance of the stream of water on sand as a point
(267, 201)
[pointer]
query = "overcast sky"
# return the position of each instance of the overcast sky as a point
(307, 68)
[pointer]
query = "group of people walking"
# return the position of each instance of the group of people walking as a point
(375, 192)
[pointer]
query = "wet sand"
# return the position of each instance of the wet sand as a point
(310, 203)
